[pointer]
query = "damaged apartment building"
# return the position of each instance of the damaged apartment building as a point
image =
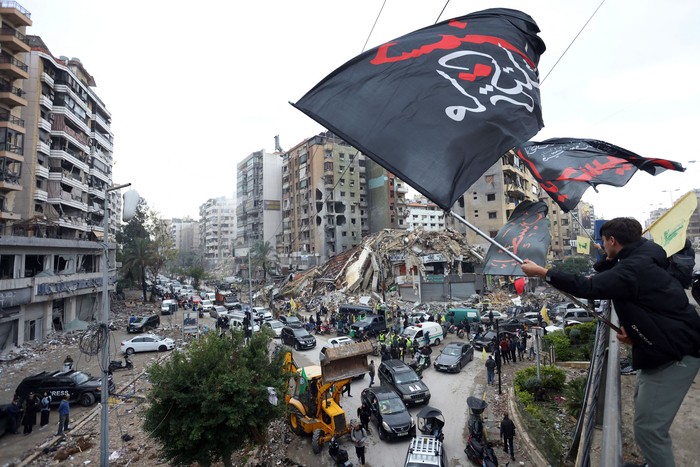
(332, 197)
(55, 166)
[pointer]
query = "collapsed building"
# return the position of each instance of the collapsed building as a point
(416, 265)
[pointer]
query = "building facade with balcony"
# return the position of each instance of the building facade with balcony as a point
(185, 233)
(387, 199)
(258, 201)
(325, 201)
(424, 214)
(55, 166)
(490, 201)
(217, 229)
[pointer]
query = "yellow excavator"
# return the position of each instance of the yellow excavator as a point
(313, 393)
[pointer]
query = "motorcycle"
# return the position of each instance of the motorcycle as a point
(454, 329)
(478, 450)
(339, 455)
(119, 365)
(430, 422)
(420, 362)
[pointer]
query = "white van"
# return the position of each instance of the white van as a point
(236, 318)
(418, 331)
(262, 313)
(168, 307)
(209, 296)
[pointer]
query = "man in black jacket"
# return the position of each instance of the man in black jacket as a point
(508, 433)
(656, 319)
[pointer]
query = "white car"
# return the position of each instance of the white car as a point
(147, 343)
(275, 325)
(339, 341)
(560, 326)
(497, 316)
(207, 305)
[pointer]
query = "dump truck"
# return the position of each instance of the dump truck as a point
(313, 394)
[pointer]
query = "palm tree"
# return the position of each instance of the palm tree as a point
(138, 256)
(263, 255)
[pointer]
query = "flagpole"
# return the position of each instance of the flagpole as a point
(482, 234)
(516, 258)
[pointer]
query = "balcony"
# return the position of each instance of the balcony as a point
(46, 101)
(96, 192)
(40, 195)
(100, 138)
(44, 124)
(13, 68)
(60, 154)
(15, 13)
(12, 96)
(41, 172)
(101, 121)
(12, 151)
(65, 177)
(47, 78)
(76, 119)
(97, 173)
(14, 41)
(8, 120)
(43, 148)
(9, 216)
(67, 199)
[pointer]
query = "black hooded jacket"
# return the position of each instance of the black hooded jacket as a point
(650, 303)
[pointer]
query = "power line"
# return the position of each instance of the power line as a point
(572, 43)
(375, 23)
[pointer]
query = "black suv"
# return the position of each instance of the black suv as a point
(299, 338)
(143, 323)
(404, 380)
(80, 386)
(393, 419)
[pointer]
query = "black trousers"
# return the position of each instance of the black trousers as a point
(360, 451)
(506, 443)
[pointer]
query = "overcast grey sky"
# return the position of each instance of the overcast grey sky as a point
(194, 87)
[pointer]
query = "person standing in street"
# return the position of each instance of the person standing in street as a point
(359, 435)
(364, 413)
(508, 433)
(346, 389)
(31, 407)
(15, 412)
(63, 414)
(371, 373)
(656, 319)
(45, 410)
(490, 369)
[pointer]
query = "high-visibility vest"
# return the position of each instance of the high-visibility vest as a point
(381, 338)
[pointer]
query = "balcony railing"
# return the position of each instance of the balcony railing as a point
(8, 87)
(13, 61)
(6, 117)
(13, 148)
(17, 7)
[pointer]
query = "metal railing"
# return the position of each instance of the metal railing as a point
(6, 117)
(13, 61)
(13, 32)
(17, 7)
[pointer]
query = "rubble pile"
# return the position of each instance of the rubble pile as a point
(364, 268)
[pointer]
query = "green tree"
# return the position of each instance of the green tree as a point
(137, 257)
(264, 256)
(212, 400)
(162, 248)
(197, 273)
(574, 264)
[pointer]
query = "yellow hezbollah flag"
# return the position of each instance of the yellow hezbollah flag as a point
(583, 245)
(483, 354)
(545, 315)
(669, 230)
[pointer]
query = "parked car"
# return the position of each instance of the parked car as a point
(334, 342)
(513, 324)
(404, 380)
(168, 306)
(560, 326)
(262, 314)
(143, 323)
(497, 316)
(577, 314)
(487, 341)
(207, 305)
(454, 356)
(147, 343)
(275, 325)
(79, 386)
(393, 419)
(297, 337)
(217, 311)
(371, 325)
(291, 321)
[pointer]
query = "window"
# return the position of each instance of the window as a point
(476, 213)
(342, 193)
(491, 197)
(493, 233)
(493, 215)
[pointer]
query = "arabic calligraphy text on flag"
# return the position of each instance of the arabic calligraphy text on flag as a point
(583, 245)
(566, 167)
(526, 235)
(669, 230)
(438, 106)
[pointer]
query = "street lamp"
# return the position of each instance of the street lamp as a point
(129, 209)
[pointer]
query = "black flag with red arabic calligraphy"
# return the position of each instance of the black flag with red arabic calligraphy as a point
(566, 167)
(526, 235)
(438, 106)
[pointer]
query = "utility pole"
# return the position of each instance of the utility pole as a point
(104, 400)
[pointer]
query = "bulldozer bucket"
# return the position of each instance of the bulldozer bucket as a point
(345, 362)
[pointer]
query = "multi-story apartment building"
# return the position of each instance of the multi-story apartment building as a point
(424, 214)
(217, 229)
(258, 200)
(324, 201)
(489, 202)
(55, 166)
(185, 233)
(387, 198)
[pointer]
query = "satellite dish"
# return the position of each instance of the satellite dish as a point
(131, 201)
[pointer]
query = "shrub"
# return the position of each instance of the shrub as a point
(574, 392)
(552, 377)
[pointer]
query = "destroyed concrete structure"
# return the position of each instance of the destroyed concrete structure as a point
(417, 265)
